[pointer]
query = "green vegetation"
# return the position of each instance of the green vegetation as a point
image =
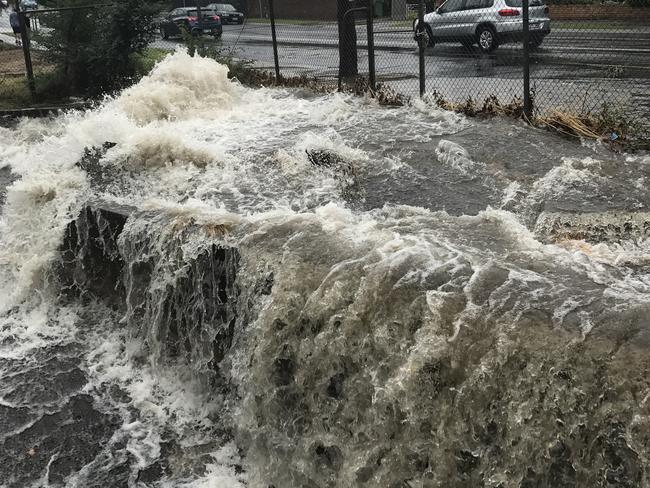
(14, 90)
(143, 62)
(93, 50)
(212, 48)
(14, 93)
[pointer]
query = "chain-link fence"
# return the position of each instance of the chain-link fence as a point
(579, 57)
(22, 58)
(12, 62)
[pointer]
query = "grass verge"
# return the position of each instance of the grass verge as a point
(612, 126)
(14, 93)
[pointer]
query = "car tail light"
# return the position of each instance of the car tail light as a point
(216, 17)
(509, 12)
(192, 19)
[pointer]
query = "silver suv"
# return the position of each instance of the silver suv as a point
(486, 22)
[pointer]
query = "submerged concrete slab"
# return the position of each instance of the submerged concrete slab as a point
(185, 307)
(91, 264)
(593, 227)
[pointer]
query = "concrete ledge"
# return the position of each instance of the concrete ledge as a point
(43, 111)
(192, 316)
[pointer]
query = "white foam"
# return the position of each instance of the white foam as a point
(181, 87)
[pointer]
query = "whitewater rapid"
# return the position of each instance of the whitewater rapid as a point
(317, 291)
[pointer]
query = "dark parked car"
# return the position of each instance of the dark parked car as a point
(228, 13)
(187, 19)
(28, 5)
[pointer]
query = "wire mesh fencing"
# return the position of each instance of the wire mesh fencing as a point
(12, 62)
(595, 56)
(578, 57)
(240, 36)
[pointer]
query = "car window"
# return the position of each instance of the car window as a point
(226, 7)
(518, 3)
(474, 4)
(452, 6)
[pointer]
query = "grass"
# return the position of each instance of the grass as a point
(609, 125)
(14, 93)
(145, 62)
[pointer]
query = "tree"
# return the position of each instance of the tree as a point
(93, 48)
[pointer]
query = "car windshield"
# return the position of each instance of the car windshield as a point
(518, 3)
(225, 7)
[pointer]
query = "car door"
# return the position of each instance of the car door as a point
(474, 12)
(170, 26)
(179, 17)
(448, 16)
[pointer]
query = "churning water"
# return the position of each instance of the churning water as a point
(206, 285)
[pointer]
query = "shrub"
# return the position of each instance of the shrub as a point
(93, 49)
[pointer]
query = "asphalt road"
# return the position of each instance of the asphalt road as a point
(580, 68)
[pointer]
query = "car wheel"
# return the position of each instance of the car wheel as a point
(163, 33)
(196, 32)
(487, 39)
(217, 36)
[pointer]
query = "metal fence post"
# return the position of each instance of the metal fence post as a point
(371, 47)
(275, 41)
(421, 47)
(26, 50)
(528, 104)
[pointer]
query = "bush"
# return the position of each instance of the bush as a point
(93, 49)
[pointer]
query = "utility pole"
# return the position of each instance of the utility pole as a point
(274, 37)
(24, 36)
(528, 103)
(348, 58)
(421, 47)
(198, 14)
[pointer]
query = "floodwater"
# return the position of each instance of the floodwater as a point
(207, 285)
